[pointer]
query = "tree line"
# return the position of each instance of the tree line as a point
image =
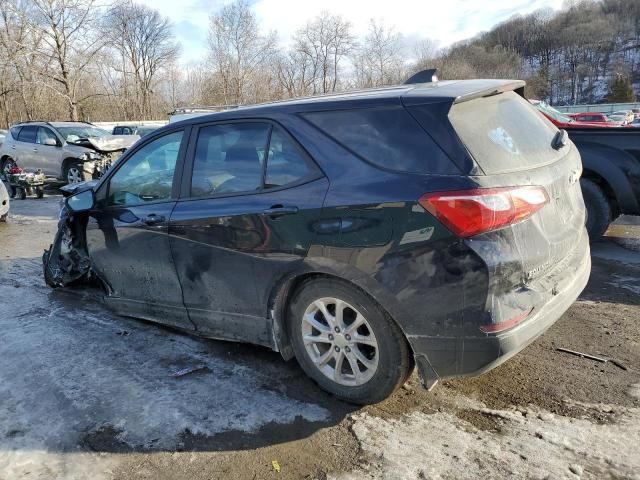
(84, 60)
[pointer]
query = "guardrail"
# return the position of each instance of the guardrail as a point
(599, 108)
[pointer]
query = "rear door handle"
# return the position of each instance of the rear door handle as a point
(279, 211)
(153, 219)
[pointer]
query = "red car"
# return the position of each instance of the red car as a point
(595, 117)
(561, 120)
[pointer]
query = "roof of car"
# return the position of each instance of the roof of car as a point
(70, 124)
(451, 90)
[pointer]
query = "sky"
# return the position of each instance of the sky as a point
(444, 21)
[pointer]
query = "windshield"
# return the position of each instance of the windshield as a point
(553, 113)
(73, 134)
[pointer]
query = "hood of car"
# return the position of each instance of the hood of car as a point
(108, 143)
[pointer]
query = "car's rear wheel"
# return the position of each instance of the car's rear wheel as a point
(599, 214)
(6, 165)
(346, 342)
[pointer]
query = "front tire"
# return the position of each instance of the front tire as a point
(346, 343)
(73, 172)
(599, 214)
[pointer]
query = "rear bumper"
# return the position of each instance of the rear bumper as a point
(442, 357)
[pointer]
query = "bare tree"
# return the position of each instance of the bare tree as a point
(379, 60)
(238, 50)
(70, 42)
(146, 45)
(325, 42)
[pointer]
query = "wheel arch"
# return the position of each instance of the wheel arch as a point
(606, 188)
(285, 290)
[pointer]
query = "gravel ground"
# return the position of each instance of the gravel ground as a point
(87, 394)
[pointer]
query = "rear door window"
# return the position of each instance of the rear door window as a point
(388, 137)
(15, 131)
(505, 133)
(286, 164)
(28, 134)
(229, 158)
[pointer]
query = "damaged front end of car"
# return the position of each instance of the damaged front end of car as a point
(67, 259)
(105, 152)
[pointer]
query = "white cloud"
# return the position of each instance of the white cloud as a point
(443, 21)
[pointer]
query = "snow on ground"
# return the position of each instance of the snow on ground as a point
(76, 378)
(529, 444)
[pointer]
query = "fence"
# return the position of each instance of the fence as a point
(600, 108)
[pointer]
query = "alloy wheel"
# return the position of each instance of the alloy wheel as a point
(340, 341)
(73, 175)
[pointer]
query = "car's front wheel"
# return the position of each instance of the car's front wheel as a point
(346, 343)
(73, 172)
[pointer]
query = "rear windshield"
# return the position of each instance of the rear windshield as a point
(504, 133)
(388, 137)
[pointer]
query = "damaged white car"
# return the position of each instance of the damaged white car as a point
(68, 151)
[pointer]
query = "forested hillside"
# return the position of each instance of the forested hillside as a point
(568, 57)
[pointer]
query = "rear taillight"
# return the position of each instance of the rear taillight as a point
(470, 212)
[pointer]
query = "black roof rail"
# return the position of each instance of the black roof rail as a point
(423, 76)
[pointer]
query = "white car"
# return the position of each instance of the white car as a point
(4, 203)
(625, 116)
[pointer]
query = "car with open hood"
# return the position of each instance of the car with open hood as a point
(66, 151)
(437, 224)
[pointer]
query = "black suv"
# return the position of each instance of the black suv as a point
(438, 224)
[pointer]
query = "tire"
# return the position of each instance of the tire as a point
(3, 218)
(40, 192)
(599, 214)
(5, 165)
(23, 193)
(72, 172)
(385, 367)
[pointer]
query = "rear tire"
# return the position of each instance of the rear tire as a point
(5, 166)
(599, 214)
(377, 348)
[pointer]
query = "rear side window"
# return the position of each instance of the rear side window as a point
(28, 134)
(15, 131)
(285, 163)
(504, 133)
(387, 137)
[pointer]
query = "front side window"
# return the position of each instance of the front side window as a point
(44, 134)
(146, 176)
(285, 163)
(229, 158)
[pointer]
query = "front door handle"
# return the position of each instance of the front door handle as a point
(279, 210)
(35, 149)
(153, 219)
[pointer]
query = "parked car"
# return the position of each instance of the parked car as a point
(594, 117)
(624, 116)
(4, 202)
(67, 151)
(611, 176)
(440, 224)
(564, 121)
(140, 130)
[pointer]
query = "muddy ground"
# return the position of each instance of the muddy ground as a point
(87, 394)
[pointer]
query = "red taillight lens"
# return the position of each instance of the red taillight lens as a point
(470, 212)
(507, 324)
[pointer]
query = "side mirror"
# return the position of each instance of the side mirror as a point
(81, 202)
(51, 142)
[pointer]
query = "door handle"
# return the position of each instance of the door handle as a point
(279, 210)
(153, 219)
(35, 149)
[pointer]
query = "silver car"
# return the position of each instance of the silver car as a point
(67, 151)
